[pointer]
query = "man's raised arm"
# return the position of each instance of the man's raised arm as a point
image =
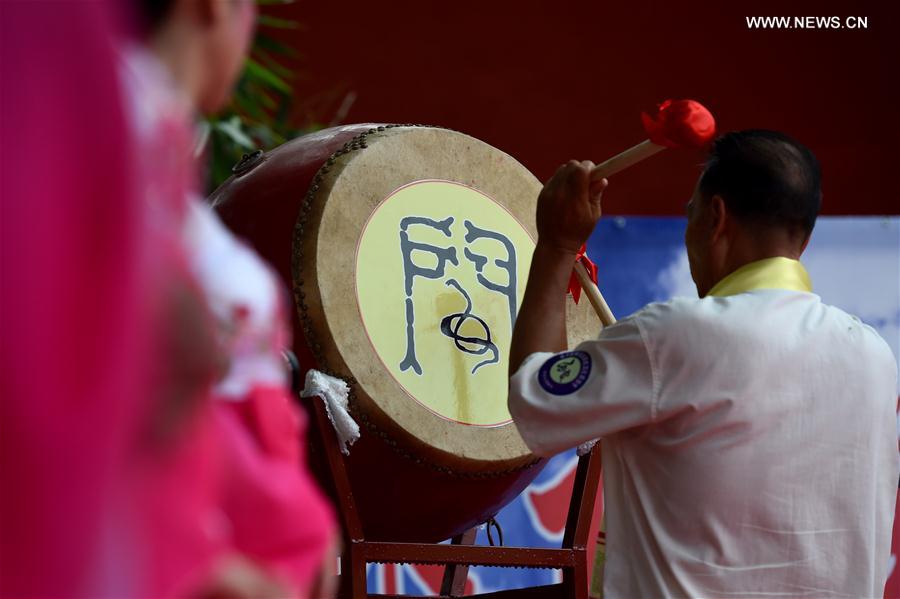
(568, 208)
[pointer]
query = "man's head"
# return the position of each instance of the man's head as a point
(757, 198)
(202, 42)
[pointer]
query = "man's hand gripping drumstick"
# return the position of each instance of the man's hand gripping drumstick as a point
(567, 211)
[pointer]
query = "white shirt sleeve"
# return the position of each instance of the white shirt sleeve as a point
(605, 385)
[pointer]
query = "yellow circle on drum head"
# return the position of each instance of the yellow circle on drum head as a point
(440, 273)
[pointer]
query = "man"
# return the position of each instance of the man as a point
(749, 440)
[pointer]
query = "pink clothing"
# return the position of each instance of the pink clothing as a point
(180, 526)
(73, 277)
(277, 514)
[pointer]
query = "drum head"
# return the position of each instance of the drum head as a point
(410, 260)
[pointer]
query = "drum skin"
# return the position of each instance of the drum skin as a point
(403, 490)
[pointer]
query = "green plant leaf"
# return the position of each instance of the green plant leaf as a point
(232, 128)
(265, 42)
(276, 23)
(273, 65)
(261, 108)
(257, 71)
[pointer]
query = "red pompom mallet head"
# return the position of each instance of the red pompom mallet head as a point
(679, 124)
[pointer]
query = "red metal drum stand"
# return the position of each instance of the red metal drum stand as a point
(456, 557)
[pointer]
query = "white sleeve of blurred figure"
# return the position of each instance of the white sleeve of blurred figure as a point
(243, 294)
(613, 390)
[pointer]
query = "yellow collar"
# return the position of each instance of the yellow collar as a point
(771, 273)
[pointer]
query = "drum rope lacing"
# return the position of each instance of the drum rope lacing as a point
(356, 143)
(492, 523)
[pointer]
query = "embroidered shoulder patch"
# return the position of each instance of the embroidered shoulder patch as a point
(565, 373)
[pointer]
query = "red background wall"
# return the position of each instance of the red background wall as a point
(548, 81)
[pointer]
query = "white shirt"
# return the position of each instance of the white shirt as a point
(749, 445)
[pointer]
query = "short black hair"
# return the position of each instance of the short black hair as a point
(765, 177)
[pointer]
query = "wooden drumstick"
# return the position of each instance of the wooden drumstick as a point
(629, 157)
(594, 296)
(678, 123)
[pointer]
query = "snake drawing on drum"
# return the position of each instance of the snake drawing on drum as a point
(408, 249)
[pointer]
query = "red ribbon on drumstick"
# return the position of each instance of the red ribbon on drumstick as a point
(589, 266)
(677, 124)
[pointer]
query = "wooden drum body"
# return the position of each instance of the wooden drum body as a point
(407, 249)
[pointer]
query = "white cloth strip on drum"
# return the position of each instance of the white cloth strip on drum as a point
(585, 448)
(333, 392)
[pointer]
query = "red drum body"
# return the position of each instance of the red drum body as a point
(407, 250)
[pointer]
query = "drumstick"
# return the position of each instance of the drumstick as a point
(678, 123)
(594, 296)
(629, 157)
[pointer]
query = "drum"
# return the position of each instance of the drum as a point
(407, 249)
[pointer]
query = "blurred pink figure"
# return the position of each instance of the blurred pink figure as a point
(249, 489)
(73, 344)
(176, 480)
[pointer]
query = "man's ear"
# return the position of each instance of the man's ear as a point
(718, 217)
